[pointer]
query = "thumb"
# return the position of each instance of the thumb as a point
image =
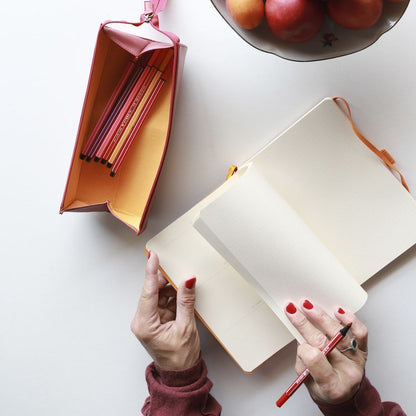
(149, 298)
(185, 302)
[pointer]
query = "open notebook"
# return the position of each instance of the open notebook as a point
(313, 215)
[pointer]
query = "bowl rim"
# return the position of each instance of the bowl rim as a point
(341, 54)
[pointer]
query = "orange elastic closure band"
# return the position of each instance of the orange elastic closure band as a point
(383, 154)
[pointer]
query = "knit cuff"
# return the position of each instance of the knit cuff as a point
(173, 378)
(365, 400)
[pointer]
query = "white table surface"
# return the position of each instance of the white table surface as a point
(70, 283)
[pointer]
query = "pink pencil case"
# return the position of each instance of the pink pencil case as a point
(129, 194)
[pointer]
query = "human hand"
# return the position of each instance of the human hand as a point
(337, 376)
(164, 322)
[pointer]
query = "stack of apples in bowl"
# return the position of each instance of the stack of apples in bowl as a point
(306, 30)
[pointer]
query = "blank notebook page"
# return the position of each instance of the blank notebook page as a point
(341, 189)
(264, 239)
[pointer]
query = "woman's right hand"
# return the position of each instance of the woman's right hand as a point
(335, 377)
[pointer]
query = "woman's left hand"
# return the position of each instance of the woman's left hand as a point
(165, 322)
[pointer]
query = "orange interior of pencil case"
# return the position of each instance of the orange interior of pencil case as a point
(128, 191)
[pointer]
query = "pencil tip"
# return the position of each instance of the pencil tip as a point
(103, 161)
(112, 174)
(109, 165)
(88, 158)
(82, 157)
(96, 159)
(346, 328)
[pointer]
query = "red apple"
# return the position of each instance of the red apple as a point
(294, 20)
(246, 13)
(355, 14)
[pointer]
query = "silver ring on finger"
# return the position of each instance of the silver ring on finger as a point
(352, 347)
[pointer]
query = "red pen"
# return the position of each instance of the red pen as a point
(148, 106)
(303, 376)
(108, 107)
(100, 147)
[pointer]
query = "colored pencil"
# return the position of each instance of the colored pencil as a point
(303, 376)
(137, 113)
(146, 110)
(110, 104)
(105, 152)
(125, 107)
(114, 113)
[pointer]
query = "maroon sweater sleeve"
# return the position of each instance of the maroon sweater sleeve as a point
(178, 393)
(366, 402)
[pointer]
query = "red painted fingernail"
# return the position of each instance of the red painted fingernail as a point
(149, 254)
(340, 310)
(307, 304)
(190, 283)
(291, 308)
